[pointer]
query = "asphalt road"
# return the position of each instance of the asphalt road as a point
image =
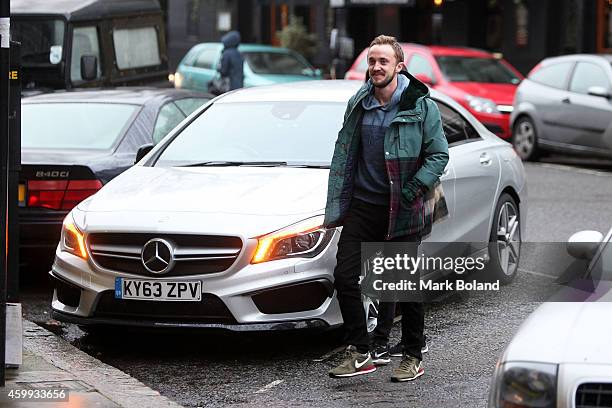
(466, 335)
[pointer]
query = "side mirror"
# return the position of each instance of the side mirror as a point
(89, 67)
(426, 79)
(143, 151)
(599, 91)
(584, 244)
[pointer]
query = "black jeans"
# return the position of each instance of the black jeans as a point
(366, 222)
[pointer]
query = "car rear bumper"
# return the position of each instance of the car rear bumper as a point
(39, 234)
(498, 124)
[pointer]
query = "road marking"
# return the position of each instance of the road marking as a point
(575, 169)
(269, 386)
(537, 273)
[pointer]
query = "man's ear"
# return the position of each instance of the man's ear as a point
(400, 67)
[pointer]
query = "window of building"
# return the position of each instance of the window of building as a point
(84, 42)
(136, 47)
(553, 75)
(604, 26)
(420, 65)
(587, 75)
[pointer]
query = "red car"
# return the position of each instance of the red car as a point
(478, 80)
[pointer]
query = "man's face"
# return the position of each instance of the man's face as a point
(382, 65)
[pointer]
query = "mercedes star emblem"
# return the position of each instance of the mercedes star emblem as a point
(157, 256)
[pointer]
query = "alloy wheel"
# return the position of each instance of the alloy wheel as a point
(508, 238)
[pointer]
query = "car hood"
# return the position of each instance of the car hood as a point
(247, 200)
(501, 94)
(569, 332)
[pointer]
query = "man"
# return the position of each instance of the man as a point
(390, 152)
(232, 63)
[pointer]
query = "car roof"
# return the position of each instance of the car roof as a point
(336, 91)
(246, 47)
(578, 57)
(83, 9)
(127, 95)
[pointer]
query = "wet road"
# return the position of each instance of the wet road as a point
(466, 335)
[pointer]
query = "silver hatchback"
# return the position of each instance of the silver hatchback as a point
(564, 105)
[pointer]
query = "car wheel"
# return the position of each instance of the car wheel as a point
(525, 139)
(370, 306)
(505, 238)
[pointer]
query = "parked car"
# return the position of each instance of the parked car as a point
(263, 65)
(74, 142)
(220, 224)
(481, 82)
(93, 43)
(564, 106)
(561, 355)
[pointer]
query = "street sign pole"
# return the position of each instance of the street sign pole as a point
(4, 144)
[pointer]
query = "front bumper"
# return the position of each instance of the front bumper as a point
(498, 123)
(284, 294)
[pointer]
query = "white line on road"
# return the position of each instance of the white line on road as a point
(269, 386)
(575, 169)
(537, 273)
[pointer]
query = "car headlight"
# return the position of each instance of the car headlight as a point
(177, 79)
(306, 239)
(481, 104)
(524, 385)
(72, 239)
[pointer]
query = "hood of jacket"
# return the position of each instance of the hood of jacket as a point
(415, 91)
(231, 39)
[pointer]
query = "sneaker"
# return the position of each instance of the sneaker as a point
(398, 349)
(380, 355)
(409, 369)
(353, 364)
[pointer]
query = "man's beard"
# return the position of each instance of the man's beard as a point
(386, 82)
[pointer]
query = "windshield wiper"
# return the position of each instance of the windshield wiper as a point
(221, 163)
(310, 166)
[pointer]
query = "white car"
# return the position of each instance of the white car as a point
(562, 356)
(220, 224)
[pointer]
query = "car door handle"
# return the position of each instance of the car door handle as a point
(566, 100)
(485, 159)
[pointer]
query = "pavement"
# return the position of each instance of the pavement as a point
(51, 363)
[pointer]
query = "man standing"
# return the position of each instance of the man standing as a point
(390, 152)
(232, 63)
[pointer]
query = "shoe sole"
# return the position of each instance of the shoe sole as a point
(418, 374)
(381, 361)
(361, 372)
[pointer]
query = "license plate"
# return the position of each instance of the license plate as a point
(21, 194)
(142, 289)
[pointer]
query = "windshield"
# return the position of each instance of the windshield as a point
(487, 70)
(276, 63)
(298, 133)
(73, 125)
(41, 40)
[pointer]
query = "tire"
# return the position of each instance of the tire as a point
(525, 139)
(505, 241)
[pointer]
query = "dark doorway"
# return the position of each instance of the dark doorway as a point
(361, 26)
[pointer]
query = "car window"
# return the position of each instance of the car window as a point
(363, 64)
(189, 105)
(419, 65)
(470, 69)
(587, 75)
(41, 39)
(74, 125)
(553, 75)
(302, 132)
(169, 116)
(206, 59)
(84, 42)
(456, 128)
(136, 47)
(276, 63)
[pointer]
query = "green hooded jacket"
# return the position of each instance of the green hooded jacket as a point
(416, 153)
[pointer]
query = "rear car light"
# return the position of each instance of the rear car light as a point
(60, 194)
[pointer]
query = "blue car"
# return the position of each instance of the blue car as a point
(264, 65)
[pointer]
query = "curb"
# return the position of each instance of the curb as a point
(112, 383)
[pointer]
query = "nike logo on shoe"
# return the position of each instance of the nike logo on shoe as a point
(358, 365)
(379, 355)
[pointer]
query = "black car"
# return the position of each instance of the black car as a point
(73, 142)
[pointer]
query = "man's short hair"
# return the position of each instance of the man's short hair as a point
(392, 41)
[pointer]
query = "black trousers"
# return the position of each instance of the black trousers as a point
(366, 222)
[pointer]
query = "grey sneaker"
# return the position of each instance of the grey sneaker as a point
(409, 369)
(353, 364)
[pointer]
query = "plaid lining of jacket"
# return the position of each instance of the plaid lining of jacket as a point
(416, 152)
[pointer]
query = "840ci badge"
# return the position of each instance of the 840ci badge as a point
(142, 289)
